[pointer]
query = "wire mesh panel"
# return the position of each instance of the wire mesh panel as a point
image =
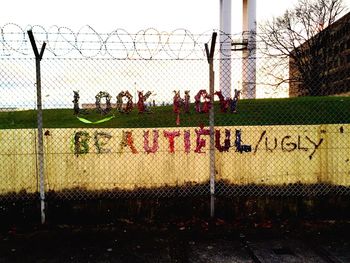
(18, 136)
(271, 146)
(117, 126)
(128, 115)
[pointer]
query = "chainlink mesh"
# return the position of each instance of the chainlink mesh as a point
(101, 142)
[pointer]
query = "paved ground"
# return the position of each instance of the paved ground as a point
(194, 241)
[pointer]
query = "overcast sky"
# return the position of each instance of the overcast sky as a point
(106, 16)
(132, 15)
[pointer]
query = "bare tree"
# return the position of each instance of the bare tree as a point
(300, 35)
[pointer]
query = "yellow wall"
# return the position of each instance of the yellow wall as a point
(18, 161)
(293, 161)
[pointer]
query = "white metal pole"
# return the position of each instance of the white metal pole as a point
(249, 55)
(40, 143)
(212, 141)
(38, 57)
(225, 48)
(210, 57)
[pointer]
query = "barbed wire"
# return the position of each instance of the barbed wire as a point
(146, 44)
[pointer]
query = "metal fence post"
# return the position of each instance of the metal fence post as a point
(38, 58)
(210, 57)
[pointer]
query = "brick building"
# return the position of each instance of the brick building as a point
(327, 66)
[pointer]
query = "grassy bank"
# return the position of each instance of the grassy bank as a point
(289, 111)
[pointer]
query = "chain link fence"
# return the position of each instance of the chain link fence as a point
(127, 115)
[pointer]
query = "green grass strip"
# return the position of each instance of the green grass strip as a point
(288, 111)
